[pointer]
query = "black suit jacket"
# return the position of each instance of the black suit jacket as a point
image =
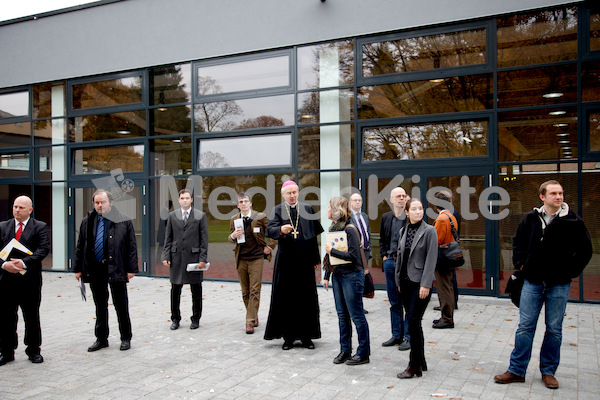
(36, 238)
(385, 236)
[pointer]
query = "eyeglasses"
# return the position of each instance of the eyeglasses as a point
(243, 201)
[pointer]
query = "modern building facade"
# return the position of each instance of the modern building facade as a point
(485, 98)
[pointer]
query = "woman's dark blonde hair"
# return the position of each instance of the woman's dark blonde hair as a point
(340, 208)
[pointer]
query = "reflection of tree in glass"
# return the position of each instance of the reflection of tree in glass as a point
(213, 116)
(260, 122)
(460, 139)
(107, 159)
(210, 160)
(345, 60)
(168, 85)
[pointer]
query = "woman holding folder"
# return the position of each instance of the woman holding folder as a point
(348, 282)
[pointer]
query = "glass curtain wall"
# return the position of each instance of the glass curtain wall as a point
(518, 94)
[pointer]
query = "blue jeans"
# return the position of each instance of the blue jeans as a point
(347, 292)
(532, 297)
(399, 324)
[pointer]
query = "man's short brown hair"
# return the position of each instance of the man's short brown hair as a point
(544, 185)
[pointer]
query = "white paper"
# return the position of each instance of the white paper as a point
(239, 223)
(195, 267)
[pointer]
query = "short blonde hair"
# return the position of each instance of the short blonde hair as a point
(340, 208)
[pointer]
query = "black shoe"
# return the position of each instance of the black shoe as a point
(456, 306)
(409, 373)
(308, 344)
(366, 312)
(443, 325)
(36, 358)
(357, 360)
(287, 345)
(97, 346)
(435, 321)
(424, 365)
(4, 358)
(393, 341)
(405, 345)
(175, 325)
(437, 308)
(341, 358)
(195, 324)
(125, 345)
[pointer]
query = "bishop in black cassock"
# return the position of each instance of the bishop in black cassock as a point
(294, 310)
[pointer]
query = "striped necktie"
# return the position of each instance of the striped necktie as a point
(99, 243)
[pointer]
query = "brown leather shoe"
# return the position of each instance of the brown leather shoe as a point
(256, 322)
(550, 381)
(249, 328)
(508, 377)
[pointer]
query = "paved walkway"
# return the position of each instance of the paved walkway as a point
(220, 361)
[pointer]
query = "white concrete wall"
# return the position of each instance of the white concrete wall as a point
(140, 33)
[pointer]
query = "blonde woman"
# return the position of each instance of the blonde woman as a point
(348, 286)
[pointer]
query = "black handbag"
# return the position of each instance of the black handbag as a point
(369, 291)
(450, 255)
(514, 286)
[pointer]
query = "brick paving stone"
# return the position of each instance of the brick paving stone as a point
(220, 361)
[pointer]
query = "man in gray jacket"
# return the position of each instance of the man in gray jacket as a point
(186, 242)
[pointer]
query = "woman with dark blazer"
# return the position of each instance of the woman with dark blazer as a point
(415, 266)
(348, 286)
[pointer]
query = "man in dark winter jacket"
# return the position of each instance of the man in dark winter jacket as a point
(106, 255)
(551, 247)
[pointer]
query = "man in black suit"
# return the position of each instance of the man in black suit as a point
(106, 255)
(361, 221)
(186, 242)
(21, 281)
(391, 223)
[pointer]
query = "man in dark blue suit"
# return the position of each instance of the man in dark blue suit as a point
(21, 281)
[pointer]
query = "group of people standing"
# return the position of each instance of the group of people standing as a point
(552, 246)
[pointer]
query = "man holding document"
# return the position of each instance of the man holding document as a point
(24, 243)
(247, 230)
(186, 242)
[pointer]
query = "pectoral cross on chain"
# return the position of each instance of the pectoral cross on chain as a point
(295, 234)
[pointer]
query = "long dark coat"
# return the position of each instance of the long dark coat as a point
(185, 244)
(294, 310)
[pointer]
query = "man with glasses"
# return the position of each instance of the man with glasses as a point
(251, 249)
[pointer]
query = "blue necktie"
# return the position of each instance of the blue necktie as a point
(99, 243)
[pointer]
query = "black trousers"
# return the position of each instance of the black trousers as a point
(14, 294)
(196, 289)
(121, 303)
(415, 309)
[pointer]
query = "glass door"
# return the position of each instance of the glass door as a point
(478, 234)
(129, 198)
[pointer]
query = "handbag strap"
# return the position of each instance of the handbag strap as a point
(362, 252)
(453, 229)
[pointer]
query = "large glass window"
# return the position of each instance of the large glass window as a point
(544, 134)
(171, 156)
(522, 182)
(590, 81)
(326, 65)
(325, 106)
(326, 147)
(413, 142)
(231, 115)
(171, 120)
(540, 37)
(590, 186)
(107, 126)
(537, 86)
(106, 159)
(422, 53)
(43, 106)
(246, 152)
(14, 165)
(14, 104)
(107, 93)
(263, 73)
(171, 84)
(463, 93)
(15, 135)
